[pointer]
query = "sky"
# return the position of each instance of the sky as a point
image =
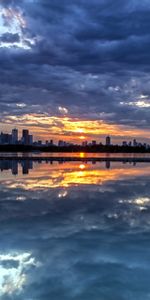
(75, 70)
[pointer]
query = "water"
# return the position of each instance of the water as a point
(74, 230)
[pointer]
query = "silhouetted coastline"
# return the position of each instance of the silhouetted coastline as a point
(75, 148)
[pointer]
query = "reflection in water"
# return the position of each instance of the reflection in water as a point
(13, 271)
(74, 230)
(25, 165)
(13, 165)
(66, 174)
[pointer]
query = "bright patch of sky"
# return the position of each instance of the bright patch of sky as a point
(13, 22)
(63, 110)
(142, 102)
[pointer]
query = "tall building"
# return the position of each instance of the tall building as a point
(5, 138)
(14, 136)
(108, 141)
(25, 136)
(30, 139)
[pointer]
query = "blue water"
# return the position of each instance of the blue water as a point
(75, 231)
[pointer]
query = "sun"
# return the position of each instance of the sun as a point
(82, 166)
(80, 130)
(82, 154)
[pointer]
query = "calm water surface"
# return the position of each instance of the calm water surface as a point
(74, 230)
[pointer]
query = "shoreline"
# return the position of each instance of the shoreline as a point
(76, 158)
(112, 149)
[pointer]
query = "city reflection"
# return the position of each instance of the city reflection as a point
(27, 165)
(24, 166)
(13, 165)
(52, 174)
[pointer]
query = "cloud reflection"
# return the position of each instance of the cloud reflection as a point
(66, 232)
(13, 272)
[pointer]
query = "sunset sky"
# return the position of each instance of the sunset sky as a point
(75, 69)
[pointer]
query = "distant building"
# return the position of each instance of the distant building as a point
(108, 141)
(25, 136)
(60, 143)
(93, 143)
(5, 138)
(84, 143)
(135, 143)
(15, 136)
(30, 139)
(51, 143)
(124, 143)
(39, 143)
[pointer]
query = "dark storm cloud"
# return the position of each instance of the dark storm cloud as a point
(9, 38)
(93, 53)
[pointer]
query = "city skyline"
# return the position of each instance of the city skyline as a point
(27, 139)
(78, 70)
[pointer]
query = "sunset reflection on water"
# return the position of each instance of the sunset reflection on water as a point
(67, 174)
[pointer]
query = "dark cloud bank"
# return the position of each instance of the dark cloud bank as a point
(79, 54)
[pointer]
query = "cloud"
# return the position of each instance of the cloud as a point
(84, 57)
(9, 38)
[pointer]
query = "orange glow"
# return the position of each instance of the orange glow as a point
(44, 127)
(70, 174)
